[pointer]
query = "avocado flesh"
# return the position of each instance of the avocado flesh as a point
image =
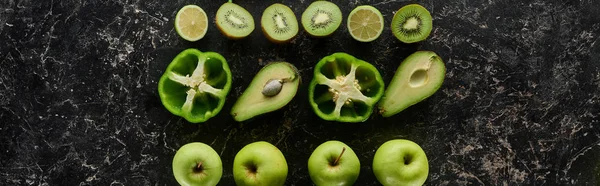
(419, 76)
(253, 103)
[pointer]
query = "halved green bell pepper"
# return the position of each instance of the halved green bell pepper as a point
(195, 85)
(345, 88)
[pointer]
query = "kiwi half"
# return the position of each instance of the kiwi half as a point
(279, 24)
(234, 21)
(412, 23)
(321, 18)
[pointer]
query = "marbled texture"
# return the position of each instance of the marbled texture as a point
(79, 104)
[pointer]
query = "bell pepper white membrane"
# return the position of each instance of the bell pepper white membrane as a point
(345, 90)
(197, 83)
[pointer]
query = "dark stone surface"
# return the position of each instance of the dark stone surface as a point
(79, 102)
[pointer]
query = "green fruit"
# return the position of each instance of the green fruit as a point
(344, 88)
(259, 163)
(195, 85)
(333, 163)
(197, 164)
(279, 23)
(273, 87)
(191, 23)
(321, 18)
(419, 76)
(365, 23)
(400, 162)
(234, 21)
(412, 23)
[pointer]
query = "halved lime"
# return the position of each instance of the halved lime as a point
(365, 23)
(191, 23)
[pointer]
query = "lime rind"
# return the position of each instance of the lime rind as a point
(178, 27)
(378, 15)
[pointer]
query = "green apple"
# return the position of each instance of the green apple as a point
(259, 163)
(197, 164)
(400, 162)
(333, 163)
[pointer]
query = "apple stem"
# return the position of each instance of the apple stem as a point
(338, 158)
(198, 168)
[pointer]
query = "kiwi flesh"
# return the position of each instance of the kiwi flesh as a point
(279, 23)
(234, 21)
(412, 23)
(273, 87)
(321, 18)
(418, 77)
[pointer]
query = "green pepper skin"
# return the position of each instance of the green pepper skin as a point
(195, 85)
(344, 88)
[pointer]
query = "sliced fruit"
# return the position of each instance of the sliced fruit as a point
(321, 18)
(365, 23)
(419, 76)
(412, 23)
(195, 85)
(344, 88)
(273, 87)
(191, 23)
(279, 23)
(234, 21)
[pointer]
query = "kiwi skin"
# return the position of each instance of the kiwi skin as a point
(277, 41)
(227, 34)
(262, 26)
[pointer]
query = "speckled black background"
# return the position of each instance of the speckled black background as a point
(79, 102)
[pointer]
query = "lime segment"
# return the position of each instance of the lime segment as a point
(191, 23)
(365, 23)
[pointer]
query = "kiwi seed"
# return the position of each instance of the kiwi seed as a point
(232, 15)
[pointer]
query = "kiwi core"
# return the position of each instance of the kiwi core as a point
(235, 20)
(411, 24)
(279, 21)
(321, 18)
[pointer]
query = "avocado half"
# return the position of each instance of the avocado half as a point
(254, 101)
(419, 76)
